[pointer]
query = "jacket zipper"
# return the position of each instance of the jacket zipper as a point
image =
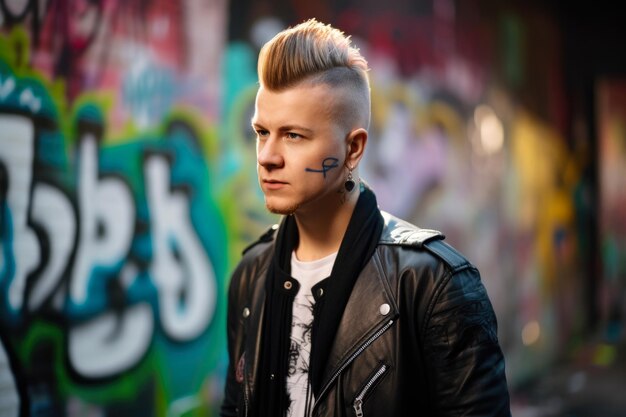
(351, 358)
(245, 394)
(358, 401)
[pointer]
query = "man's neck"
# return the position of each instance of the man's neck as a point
(321, 232)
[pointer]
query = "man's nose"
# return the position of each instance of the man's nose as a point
(269, 153)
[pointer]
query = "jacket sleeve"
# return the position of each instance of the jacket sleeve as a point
(465, 364)
(233, 332)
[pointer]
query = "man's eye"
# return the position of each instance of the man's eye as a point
(261, 132)
(292, 135)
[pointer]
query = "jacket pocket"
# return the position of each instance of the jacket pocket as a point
(358, 400)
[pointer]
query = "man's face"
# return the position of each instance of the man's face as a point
(300, 150)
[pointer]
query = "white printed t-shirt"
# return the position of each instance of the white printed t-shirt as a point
(307, 274)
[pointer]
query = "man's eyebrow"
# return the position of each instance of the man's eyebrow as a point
(295, 127)
(286, 128)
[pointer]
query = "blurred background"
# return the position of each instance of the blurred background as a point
(128, 186)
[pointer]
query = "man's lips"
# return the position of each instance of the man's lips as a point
(272, 184)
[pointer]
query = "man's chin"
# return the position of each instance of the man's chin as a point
(281, 209)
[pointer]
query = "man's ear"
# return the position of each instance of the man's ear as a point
(356, 141)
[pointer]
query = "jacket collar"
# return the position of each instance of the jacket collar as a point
(398, 232)
(395, 232)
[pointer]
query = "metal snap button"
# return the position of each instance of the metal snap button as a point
(320, 292)
(288, 285)
(246, 312)
(384, 309)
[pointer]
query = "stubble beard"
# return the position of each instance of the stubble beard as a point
(289, 210)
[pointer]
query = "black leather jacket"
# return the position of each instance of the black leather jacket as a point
(417, 338)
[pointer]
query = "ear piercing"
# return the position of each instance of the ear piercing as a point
(349, 184)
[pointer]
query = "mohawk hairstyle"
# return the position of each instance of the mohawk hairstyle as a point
(308, 49)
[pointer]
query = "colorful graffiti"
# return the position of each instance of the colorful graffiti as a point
(117, 234)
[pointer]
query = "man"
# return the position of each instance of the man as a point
(343, 309)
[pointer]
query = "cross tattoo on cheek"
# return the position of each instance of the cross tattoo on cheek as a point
(327, 164)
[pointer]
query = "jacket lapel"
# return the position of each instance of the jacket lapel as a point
(369, 308)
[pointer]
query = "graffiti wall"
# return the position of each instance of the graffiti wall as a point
(118, 220)
(128, 183)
